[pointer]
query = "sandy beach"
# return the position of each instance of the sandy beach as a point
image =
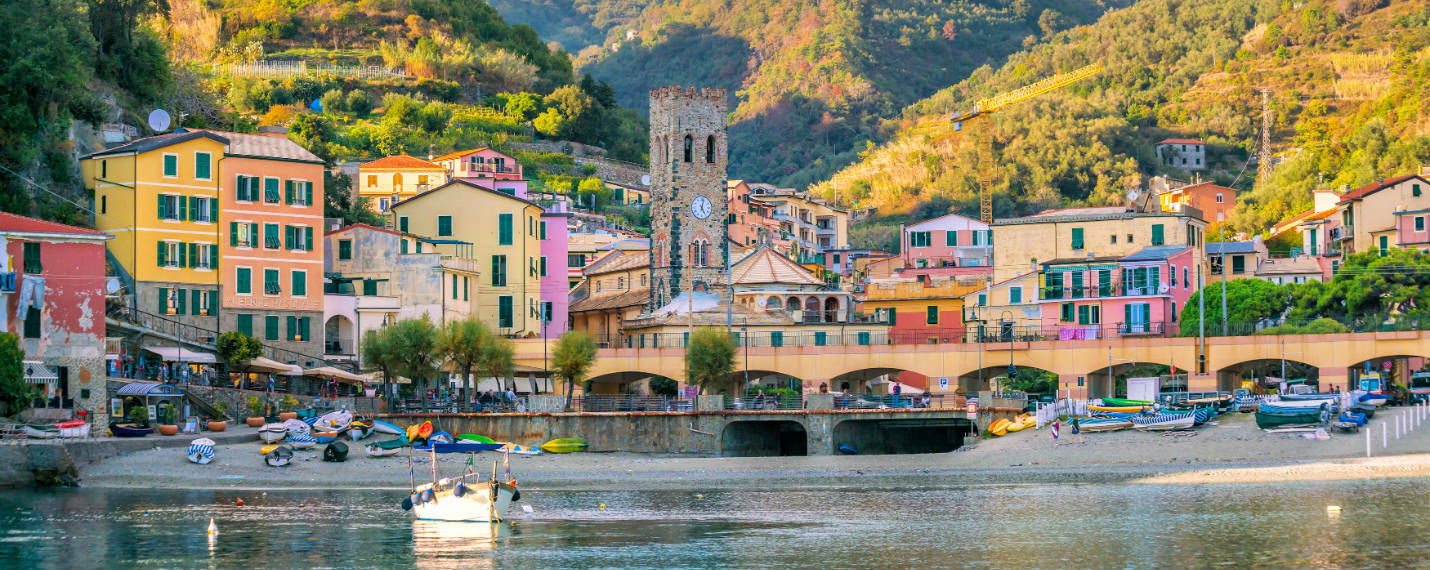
(1231, 451)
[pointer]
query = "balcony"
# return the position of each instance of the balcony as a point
(1341, 233)
(1116, 288)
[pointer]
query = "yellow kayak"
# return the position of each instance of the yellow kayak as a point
(999, 427)
(564, 445)
(1120, 409)
(267, 448)
(1015, 426)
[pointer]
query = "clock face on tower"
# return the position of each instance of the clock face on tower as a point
(700, 206)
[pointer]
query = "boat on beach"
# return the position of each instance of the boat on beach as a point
(386, 448)
(73, 428)
(358, 430)
(1119, 409)
(201, 451)
(129, 430)
(571, 444)
(1285, 414)
(1123, 402)
(40, 431)
(333, 421)
(1166, 421)
(380, 426)
(272, 432)
(301, 440)
(1103, 424)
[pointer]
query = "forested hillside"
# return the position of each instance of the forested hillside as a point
(810, 82)
(1348, 85)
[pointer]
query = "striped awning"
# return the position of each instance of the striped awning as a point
(37, 373)
(148, 389)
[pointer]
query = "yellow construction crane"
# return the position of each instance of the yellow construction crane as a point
(992, 105)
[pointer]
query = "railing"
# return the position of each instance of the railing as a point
(495, 405)
(1007, 332)
(630, 403)
(200, 336)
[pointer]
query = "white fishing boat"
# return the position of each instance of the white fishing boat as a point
(201, 451)
(383, 427)
(73, 428)
(358, 430)
(40, 431)
(385, 448)
(297, 426)
(466, 498)
(272, 433)
(1162, 422)
(333, 421)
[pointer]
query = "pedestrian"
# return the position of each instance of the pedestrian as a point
(898, 388)
(823, 387)
(1077, 432)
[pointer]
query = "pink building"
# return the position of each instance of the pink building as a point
(946, 246)
(555, 282)
(480, 163)
(52, 287)
(1136, 295)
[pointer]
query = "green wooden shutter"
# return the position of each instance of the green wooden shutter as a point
(233, 234)
(300, 283)
(951, 238)
(292, 327)
(777, 339)
(932, 317)
(245, 324)
(193, 255)
(308, 239)
(303, 328)
(1127, 311)
(288, 192)
(893, 316)
(504, 229)
(244, 276)
(163, 300)
(308, 193)
(213, 302)
(1157, 235)
(183, 208)
(253, 234)
(201, 165)
(1015, 295)
(454, 287)
(163, 207)
(270, 327)
(213, 257)
(1077, 238)
(444, 225)
(163, 254)
(183, 302)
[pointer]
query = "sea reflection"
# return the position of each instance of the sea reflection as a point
(437, 543)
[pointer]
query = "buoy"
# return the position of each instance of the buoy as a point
(1333, 508)
(603, 505)
(213, 528)
(526, 509)
(698, 496)
(239, 502)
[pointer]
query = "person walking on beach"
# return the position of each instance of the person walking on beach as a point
(1076, 431)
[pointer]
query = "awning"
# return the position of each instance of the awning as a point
(148, 389)
(335, 374)
(180, 354)
(262, 364)
(37, 373)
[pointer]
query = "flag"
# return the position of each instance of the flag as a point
(506, 462)
(1055, 430)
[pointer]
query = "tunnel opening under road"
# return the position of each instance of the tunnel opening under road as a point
(764, 439)
(892, 437)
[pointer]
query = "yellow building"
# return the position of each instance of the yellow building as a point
(1021, 244)
(392, 179)
(158, 197)
(505, 233)
(615, 289)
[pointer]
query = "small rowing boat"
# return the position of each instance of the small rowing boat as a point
(129, 430)
(1162, 422)
(333, 421)
(519, 450)
(380, 426)
(40, 431)
(272, 433)
(73, 428)
(1376, 400)
(1123, 402)
(385, 448)
(301, 440)
(201, 451)
(358, 430)
(1283, 414)
(1102, 424)
(1120, 409)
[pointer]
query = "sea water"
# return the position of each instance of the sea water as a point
(1382, 523)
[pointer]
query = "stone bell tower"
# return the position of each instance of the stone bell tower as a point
(688, 161)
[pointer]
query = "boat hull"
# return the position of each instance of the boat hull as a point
(73, 428)
(374, 450)
(124, 431)
(473, 506)
(1270, 416)
(272, 433)
(41, 433)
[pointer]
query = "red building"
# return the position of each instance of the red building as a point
(52, 287)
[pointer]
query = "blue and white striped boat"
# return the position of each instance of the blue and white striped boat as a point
(301, 440)
(1165, 421)
(201, 451)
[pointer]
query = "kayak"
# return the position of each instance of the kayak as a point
(1125, 402)
(520, 450)
(999, 427)
(1122, 409)
(380, 426)
(419, 432)
(564, 445)
(475, 438)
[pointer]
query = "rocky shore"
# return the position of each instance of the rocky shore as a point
(1233, 451)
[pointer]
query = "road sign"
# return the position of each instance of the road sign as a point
(943, 383)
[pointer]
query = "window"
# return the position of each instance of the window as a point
(270, 282)
(1158, 238)
(244, 184)
(541, 229)
(1414, 189)
(1219, 198)
(504, 222)
(932, 316)
(1186, 278)
(976, 241)
(1419, 224)
(169, 207)
(171, 254)
(1172, 276)
(298, 328)
(245, 324)
(546, 308)
(543, 266)
(270, 237)
(1238, 264)
(1077, 238)
(345, 249)
(372, 181)
(1384, 245)
(203, 209)
(499, 271)
(203, 256)
(1076, 286)
(1089, 315)
(32, 323)
(710, 149)
(454, 287)
(777, 339)
(402, 224)
(575, 260)
(104, 169)
(444, 225)
(920, 239)
(504, 312)
(689, 148)
(1015, 295)
(104, 204)
(270, 327)
(1066, 314)
(31, 251)
(699, 253)
(302, 193)
(1335, 265)
(1129, 238)
(950, 238)
(466, 289)
(982, 299)
(369, 287)
(270, 191)
(202, 163)
(171, 165)
(244, 277)
(300, 283)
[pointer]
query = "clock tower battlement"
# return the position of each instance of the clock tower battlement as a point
(689, 150)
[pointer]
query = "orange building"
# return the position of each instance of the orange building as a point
(271, 247)
(1215, 202)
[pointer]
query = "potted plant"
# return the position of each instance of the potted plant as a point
(286, 408)
(255, 411)
(220, 421)
(168, 423)
(139, 416)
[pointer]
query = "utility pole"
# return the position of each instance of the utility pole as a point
(1223, 280)
(1263, 166)
(1201, 324)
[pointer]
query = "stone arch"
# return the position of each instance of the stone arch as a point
(1099, 383)
(831, 309)
(1229, 377)
(811, 309)
(980, 379)
(1402, 365)
(864, 380)
(773, 303)
(339, 336)
(764, 439)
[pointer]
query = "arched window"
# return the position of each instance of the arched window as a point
(689, 147)
(773, 304)
(710, 149)
(699, 253)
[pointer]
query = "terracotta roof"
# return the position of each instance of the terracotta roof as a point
(146, 144)
(769, 266)
(264, 146)
(617, 261)
(632, 298)
(1180, 141)
(1374, 187)
(460, 153)
(399, 162)
(16, 223)
(1091, 211)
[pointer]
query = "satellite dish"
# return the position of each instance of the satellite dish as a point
(1133, 194)
(111, 285)
(1163, 288)
(645, 179)
(159, 120)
